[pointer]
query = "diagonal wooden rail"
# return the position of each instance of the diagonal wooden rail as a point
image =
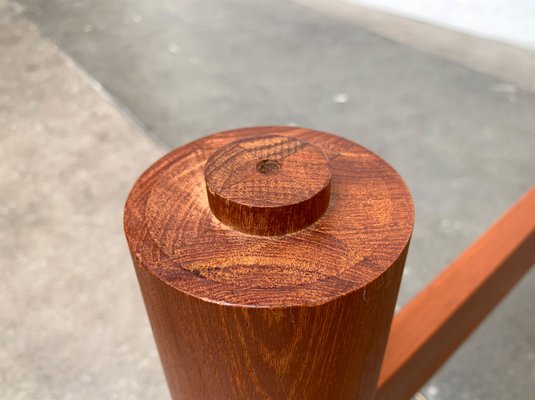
(437, 321)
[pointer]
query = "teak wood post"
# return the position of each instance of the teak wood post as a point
(269, 260)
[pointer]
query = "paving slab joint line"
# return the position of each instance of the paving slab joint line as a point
(502, 61)
(18, 9)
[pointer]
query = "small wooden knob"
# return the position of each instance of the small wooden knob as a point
(268, 185)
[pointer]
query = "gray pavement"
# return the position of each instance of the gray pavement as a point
(72, 323)
(464, 142)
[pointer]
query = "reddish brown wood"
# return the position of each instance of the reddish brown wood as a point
(431, 327)
(268, 185)
(302, 315)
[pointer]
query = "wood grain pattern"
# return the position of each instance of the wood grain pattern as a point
(435, 323)
(302, 315)
(268, 185)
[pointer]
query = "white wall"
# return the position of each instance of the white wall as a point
(506, 21)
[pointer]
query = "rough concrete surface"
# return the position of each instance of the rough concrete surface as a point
(72, 323)
(502, 61)
(71, 314)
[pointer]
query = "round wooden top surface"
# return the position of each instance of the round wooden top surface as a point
(268, 185)
(188, 217)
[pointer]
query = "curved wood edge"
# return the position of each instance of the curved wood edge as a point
(426, 332)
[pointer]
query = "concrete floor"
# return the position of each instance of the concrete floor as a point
(463, 141)
(72, 323)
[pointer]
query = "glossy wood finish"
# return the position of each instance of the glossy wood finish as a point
(431, 327)
(302, 315)
(268, 185)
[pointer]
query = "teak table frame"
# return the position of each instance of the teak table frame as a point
(270, 259)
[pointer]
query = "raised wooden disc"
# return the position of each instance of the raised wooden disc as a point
(268, 185)
(174, 235)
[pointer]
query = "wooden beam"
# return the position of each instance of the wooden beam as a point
(426, 332)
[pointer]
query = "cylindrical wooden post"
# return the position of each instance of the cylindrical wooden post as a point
(269, 260)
